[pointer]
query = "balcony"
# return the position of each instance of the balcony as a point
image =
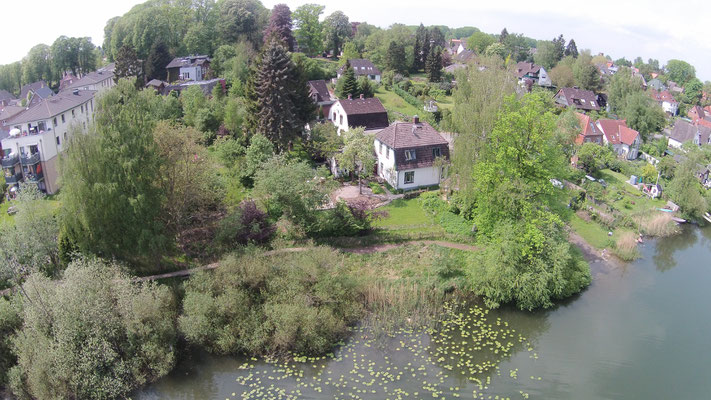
(35, 178)
(31, 159)
(13, 179)
(10, 161)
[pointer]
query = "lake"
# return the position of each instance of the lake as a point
(640, 331)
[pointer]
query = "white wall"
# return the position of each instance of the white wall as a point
(543, 79)
(336, 113)
(386, 163)
(428, 176)
(671, 108)
(675, 144)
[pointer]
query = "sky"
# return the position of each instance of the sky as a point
(620, 28)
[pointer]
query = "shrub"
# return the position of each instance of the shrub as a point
(258, 304)
(659, 225)
(440, 209)
(626, 246)
(246, 224)
(346, 219)
(10, 321)
(96, 334)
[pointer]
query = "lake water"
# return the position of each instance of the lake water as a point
(640, 331)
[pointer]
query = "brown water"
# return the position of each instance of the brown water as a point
(642, 331)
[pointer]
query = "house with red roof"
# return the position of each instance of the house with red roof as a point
(589, 131)
(408, 154)
(624, 140)
(666, 100)
(699, 116)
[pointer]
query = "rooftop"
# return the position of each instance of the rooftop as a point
(53, 106)
(189, 61)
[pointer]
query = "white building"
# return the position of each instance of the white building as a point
(39, 134)
(99, 80)
(362, 67)
(191, 68)
(361, 112)
(624, 140)
(407, 154)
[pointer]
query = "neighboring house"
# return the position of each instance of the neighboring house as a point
(39, 134)
(672, 86)
(666, 100)
(191, 68)
(157, 84)
(352, 113)
(407, 152)
(5, 98)
(28, 90)
(584, 100)
(589, 131)
(362, 67)
(699, 116)
(206, 86)
(67, 80)
(451, 69)
(684, 132)
(99, 80)
(456, 46)
(624, 140)
(656, 84)
(38, 95)
(536, 73)
(464, 56)
(607, 69)
(318, 91)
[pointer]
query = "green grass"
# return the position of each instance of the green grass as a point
(396, 104)
(592, 232)
(3, 212)
(404, 213)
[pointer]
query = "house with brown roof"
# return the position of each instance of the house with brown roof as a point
(362, 67)
(526, 70)
(584, 100)
(666, 100)
(699, 116)
(99, 80)
(408, 153)
(360, 112)
(685, 132)
(589, 132)
(27, 91)
(190, 68)
(624, 140)
(38, 135)
(5, 98)
(319, 93)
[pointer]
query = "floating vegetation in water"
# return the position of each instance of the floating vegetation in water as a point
(464, 348)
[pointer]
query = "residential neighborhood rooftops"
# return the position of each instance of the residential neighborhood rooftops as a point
(526, 68)
(465, 56)
(362, 66)
(32, 87)
(92, 78)
(319, 88)
(189, 61)
(588, 128)
(401, 136)
(684, 131)
(616, 131)
(662, 96)
(579, 98)
(369, 113)
(53, 106)
(6, 96)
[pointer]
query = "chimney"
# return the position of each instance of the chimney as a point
(350, 96)
(362, 97)
(416, 120)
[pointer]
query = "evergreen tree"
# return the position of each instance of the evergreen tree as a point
(280, 26)
(433, 66)
(158, 58)
(395, 58)
(278, 98)
(365, 87)
(420, 38)
(504, 34)
(436, 38)
(348, 83)
(572, 49)
(128, 65)
(559, 52)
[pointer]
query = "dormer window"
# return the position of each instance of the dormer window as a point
(410, 155)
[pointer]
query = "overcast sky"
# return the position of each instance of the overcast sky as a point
(651, 28)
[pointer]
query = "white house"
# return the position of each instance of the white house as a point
(191, 68)
(407, 154)
(624, 140)
(536, 73)
(99, 80)
(684, 132)
(38, 135)
(362, 67)
(361, 112)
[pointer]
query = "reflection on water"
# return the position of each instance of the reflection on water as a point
(639, 332)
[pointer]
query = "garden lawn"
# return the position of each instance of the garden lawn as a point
(404, 213)
(3, 212)
(592, 232)
(396, 104)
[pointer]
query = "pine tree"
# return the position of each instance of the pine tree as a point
(433, 66)
(504, 34)
(280, 26)
(348, 83)
(421, 41)
(158, 58)
(572, 49)
(395, 58)
(277, 97)
(128, 65)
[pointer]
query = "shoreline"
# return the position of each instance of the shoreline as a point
(603, 259)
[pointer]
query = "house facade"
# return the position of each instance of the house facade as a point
(191, 68)
(699, 116)
(583, 100)
(410, 155)
(318, 91)
(362, 67)
(685, 132)
(536, 73)
(589, 132)
(361, 112)
(99, 80)
(38, 135)
(624, 140)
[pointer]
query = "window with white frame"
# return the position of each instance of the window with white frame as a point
(410, 155)
(410, 177)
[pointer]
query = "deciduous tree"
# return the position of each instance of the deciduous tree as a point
(336, 28)
(309, 31)
(357, 154)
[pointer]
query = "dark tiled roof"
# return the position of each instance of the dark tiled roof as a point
(93, 78)
(206, 86)
(686, 132)
(188, 61)
(368, 113)
(31, 87)
(526, 68)
(320, 89)
(5, 95)
(53, 106)
(580, 98)
(44, 92)
(421, 137)
(465, 56)
(362, 67)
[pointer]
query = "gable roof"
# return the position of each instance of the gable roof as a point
(362, 66)
(6, 96)
(685, 132)
(526, 68)
(465, 56)
(421, 137)
(92, 78)
(320, 89)
(580, 98)
(53, 106)
(368, 113)
(31, 87)
(663, 96)
(44, 92)
(189, 61)
(617, 132)
(628, 135)
(587, 127)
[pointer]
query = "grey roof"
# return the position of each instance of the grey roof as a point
(362, 66)
(465, 56)
(420, 137)
(686, 132)
(579, 98)
(320, 89)
(8, 112)
(188, 61)
(454, 67)
(5, 95)
(206, 86)
(53, 106)
(156, 83)
(31, 87)
(92, 78)
(656, 84)
(44, 92)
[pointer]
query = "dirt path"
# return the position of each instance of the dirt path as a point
(598, 259)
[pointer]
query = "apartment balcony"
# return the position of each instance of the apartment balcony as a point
(30, 159)
(10, 161)
(13, 179)
(35, 178)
